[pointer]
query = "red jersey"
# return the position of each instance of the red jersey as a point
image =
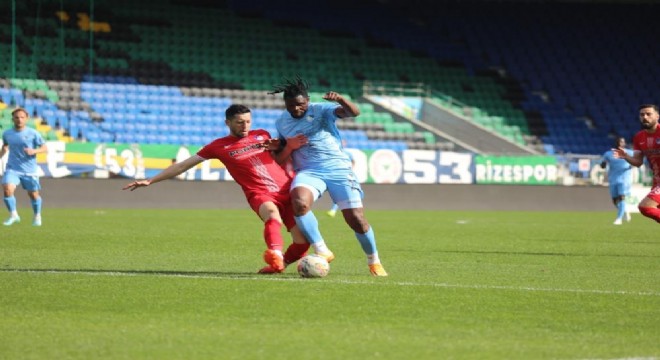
(252, 166)
(649, 145)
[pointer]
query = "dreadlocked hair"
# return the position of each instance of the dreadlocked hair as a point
(291, 88)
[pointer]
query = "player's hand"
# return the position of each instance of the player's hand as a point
(297, 141)
(332, 96)
(30, 151)
(271, 144)
(619, 153)
(136, 184)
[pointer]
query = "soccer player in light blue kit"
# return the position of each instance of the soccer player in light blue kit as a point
(333, 209)
(309, 135)
(23, 144)
(619, 175)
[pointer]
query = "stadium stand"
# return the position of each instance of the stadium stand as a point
(567, 67)
(160, 73)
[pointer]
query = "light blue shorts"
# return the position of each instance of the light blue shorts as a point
(28, 182)
(619, 189)
(345, 192)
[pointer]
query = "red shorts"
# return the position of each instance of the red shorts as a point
(283, 202)
(655, 194)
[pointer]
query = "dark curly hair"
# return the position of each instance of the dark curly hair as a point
(291, 88)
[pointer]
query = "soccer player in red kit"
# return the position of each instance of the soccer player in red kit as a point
(646, 143)
(246, 155)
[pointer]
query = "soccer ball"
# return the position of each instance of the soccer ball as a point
(313, 266)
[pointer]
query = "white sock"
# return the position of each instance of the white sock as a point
(14, 213)
(373, 259)
(320, 247)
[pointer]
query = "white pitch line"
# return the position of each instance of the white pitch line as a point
(632, 358)
(329, 280)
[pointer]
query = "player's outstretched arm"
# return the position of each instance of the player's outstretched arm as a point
(637, 159)
(172, 171)
(347, 109)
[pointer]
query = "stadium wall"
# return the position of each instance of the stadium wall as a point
(102, 194)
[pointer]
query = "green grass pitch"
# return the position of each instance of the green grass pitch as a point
(182, 284)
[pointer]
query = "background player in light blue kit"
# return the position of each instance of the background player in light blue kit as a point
(619, 174)
(310, 137)
(23, 144)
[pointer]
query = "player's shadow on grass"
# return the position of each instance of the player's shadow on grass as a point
(169, 273)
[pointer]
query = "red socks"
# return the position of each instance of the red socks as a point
(274, 241)
(273, 235)
(650, 212)
(295, 252)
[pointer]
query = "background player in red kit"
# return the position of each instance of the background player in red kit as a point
(245, 154)
(646, 143)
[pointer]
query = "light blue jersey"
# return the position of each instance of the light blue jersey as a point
(619, 171)
(323, 155)
(619, 174)
(350, 156)
(321, 165)
(18, 160)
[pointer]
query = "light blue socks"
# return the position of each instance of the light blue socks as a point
(36, 206)
(309, 226)
(367, 241)
(621, 206)
(10, 203)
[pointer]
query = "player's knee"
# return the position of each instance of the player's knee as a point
(360, 227)
(357, 222)
(300, 207)
(274, 217)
